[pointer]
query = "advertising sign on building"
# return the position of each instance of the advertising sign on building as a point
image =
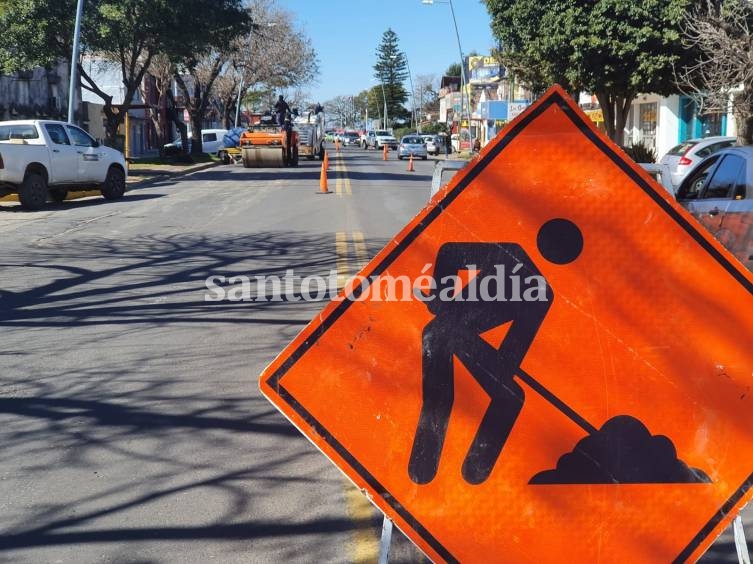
(484, 70)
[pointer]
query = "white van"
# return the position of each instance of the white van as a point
(211, 141)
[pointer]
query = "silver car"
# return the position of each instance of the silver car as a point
(719, 193)
(412, 145)
(685, 156)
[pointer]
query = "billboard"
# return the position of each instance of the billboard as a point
(484, 70)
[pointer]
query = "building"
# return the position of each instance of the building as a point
(36, 94)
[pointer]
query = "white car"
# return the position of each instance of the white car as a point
(682, 158)
(43, 158)
(211, 141)
(432, 144)
(378, 139)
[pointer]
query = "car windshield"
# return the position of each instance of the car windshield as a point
(383, 133)
(682, 148)
(413, 140)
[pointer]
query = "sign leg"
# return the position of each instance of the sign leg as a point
(386, 540)
(742, 547)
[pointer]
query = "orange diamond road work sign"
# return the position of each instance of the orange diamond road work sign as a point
(570, 372)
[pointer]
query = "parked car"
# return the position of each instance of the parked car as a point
(433, 144)
(682, 158)
(211, 141)
(42, 158)
(412, 145)
(719, 193)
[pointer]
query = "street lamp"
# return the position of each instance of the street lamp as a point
(463, 79)
(74, 60)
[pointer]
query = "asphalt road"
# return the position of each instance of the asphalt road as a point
(131, 425)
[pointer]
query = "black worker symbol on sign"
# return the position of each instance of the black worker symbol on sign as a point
(622, 451)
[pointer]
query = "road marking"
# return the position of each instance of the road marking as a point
(342, 182)
(360, 246)
(341, 258)
(364, 544)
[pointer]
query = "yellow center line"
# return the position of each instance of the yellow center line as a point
(364, 545)
(338, 182)
(359, 244)
(341, 258)
(342, 183)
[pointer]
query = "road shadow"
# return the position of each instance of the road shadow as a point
(155, 443)
(155, 281)
(85, 202)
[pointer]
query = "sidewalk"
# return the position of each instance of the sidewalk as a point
(143, 173)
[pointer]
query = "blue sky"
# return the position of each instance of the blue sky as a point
(346, 34)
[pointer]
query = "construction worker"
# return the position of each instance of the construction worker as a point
(281, 110)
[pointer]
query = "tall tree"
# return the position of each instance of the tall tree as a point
(391, 71)
(127, 33)
(427, 97)
(199, 61)
(721, 32)
(614, 49)
(277, 55)
(36, 33)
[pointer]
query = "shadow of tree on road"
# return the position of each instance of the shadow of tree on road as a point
(129, 435)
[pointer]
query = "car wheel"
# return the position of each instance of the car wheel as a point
(424, 157)
(114, 185)
(33, 191)
(58, 195)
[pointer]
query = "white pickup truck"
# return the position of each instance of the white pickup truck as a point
(41, 159)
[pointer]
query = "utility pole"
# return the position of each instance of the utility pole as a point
(74, 61)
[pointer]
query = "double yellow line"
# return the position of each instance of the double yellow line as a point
(364, 542)
(342, 182)
(349, 264)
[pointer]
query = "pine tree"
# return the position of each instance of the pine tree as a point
(391, 71)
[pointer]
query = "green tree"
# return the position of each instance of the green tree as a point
(614, 49)
(391, 71)
(34, 33)
(200, 60)
(455, 69)
(127, 34)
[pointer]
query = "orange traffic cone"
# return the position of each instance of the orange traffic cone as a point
(384, 153)
(326, 160)
(410, 163)
(323, 176)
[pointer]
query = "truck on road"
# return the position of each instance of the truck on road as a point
(41, 159)
(310, 129)
(378, 139)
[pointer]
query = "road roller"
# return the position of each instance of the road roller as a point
(266, 144)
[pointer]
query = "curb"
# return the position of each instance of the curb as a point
(173, 174)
